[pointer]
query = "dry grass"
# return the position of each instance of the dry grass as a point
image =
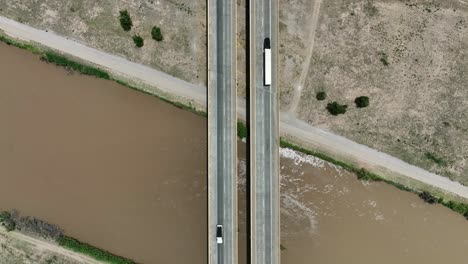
(411, 59)
(14, 250)
(182, 22)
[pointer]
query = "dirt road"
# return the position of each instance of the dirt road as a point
(19, 248)
(320, 140)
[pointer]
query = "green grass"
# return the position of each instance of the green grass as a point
(25, 46)
(60, 60)
(96, 253)
(182, 106)
(241, 130)
(435, 159)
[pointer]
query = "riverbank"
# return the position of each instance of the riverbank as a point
(20, 248)
(193, 98)
(39, 232)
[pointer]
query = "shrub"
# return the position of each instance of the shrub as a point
(321, 96)
(241, 130)
(384, 58)
(9, 225)
(363, 174)
(435, 159)
(7, 221)
(428, 198)
(370, 9)
(362, 101)
(336, 108)
(156, 34)
(125, 20)
(139, 42)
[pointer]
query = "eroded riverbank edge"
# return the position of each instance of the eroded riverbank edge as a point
(42, 51)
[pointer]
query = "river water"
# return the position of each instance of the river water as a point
(127, 172)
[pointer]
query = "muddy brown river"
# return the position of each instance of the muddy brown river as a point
(127, 172)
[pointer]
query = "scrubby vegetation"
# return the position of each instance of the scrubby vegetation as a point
(363, 174)
(336, 109)
(241, 130)
(384, 58)
(62, 61)
(435, 159)
(370, 9)
(361, 101)
(125, 20)
(321, 96)
(98, 254)
(156, 34)
(7, 221)
(428, 198)
(139, 42)
(29, 225)
(19, 44)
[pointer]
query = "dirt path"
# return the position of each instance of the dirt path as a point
(21, 245)
(305, 69)
(319, 139)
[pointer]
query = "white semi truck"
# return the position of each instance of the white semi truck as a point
(266, 62)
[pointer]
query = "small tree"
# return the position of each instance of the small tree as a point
(7, 221)
(139, 42)
(428, 198)
(156, 34)
(321, 96)
(336, 108)
(362, 101)
(125, 20)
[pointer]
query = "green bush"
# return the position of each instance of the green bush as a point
(156, 34)
(428, 198)
(7, 221)
(125, 20)
(435, 159)
(62, 61)
(336, 108)
(362, 101)
(241, 130)
(384, 58)
(139, 42)
(321, 96)
(363, 174)
(96, 253)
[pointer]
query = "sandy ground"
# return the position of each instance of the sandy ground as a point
(419, 100)
(18, 248)
(309, 136)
